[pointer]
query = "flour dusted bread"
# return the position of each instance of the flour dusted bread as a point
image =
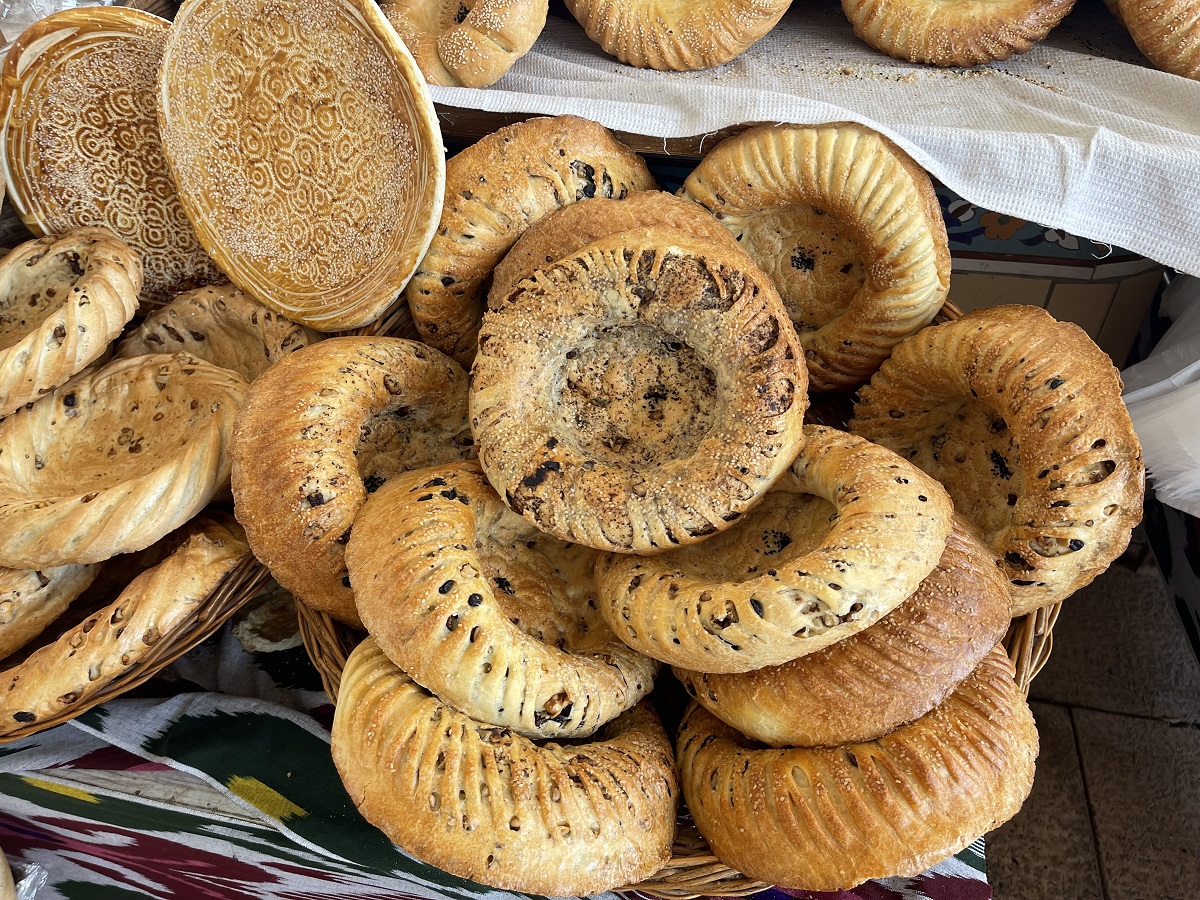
(830, 819)
(639, 395)
(84, 660)
(673, 36)
(1167, 31)
(1021, 418)
(478, 606)
(954, 33)
(887, 675)
(62, 300)
(81, 143)
(483, 803)
(466, 43)
(321, 429)
(222, 325)
(845, 536)
(306, 152)
(30, 599)
(496, 189)
(114, 459)
(847, 226)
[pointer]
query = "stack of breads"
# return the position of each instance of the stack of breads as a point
(598, 460)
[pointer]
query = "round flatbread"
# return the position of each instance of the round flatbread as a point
(1167, 31)
(32, 599)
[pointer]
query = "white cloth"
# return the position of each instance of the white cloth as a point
(1076, 134)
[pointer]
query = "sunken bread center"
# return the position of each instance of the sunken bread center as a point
(30, 293)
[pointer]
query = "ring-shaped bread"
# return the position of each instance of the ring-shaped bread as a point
(764, 185)
(483, 803)
(883, 677)
(1167, 31)
(568, 230)
(830, 819)
(496, 189)
(323, 428)
(306, 152)
(954, 32)
(795, 575)
(639, 395)
(81, 144)
(62, 300)
(222, 325)
(86, 658)
(30, 599)
(1021, 418)
(114, 459)
(466, 43)
(672, 36)
(494, 617)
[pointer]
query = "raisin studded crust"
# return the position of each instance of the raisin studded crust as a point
(478, 606)
(568, 230)
(640, 394)
(830, 819)
(321, 429)
(1021, 418)
(114, 459)
(62, 300)
(954, 33)
(883, 677)
(878, 244)
(306, 152)
(82, 145)
(86, 658)
(496, 189)
(222, 325)
(1167, 31)
(799, 574)
(471, 50)
(31, 599)
(673, 36)
(483, 803)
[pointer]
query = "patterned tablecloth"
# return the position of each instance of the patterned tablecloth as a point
(101, 804)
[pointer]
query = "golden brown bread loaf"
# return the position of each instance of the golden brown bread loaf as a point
(485, 804)
(885, 676)
(85, 659)
(306, 152)
(82, 145)
(847, 226)
(640, 394)
(466, 44)
(1167, 31)
(114, 459)
(496, 189)
(64, 299)
(321, 429)
(479, 607)
(954, 33)
(830, 819)
(222, 325)
(846, 535)
(32, 599)
(673, 36)
(1021, 418)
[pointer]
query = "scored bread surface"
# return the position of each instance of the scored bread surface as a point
(30, 599)
(830, 819)
(82, 146)
(1021, 418)
(483, 803)
(496, 189)
(114, 459)
(887, 227)
(887, 675)
(479, 607)
(1167, 31)
(639, 395)
(62, 300)
(796, 575)
(321, 429)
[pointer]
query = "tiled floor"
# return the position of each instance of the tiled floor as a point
(1115, 808)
